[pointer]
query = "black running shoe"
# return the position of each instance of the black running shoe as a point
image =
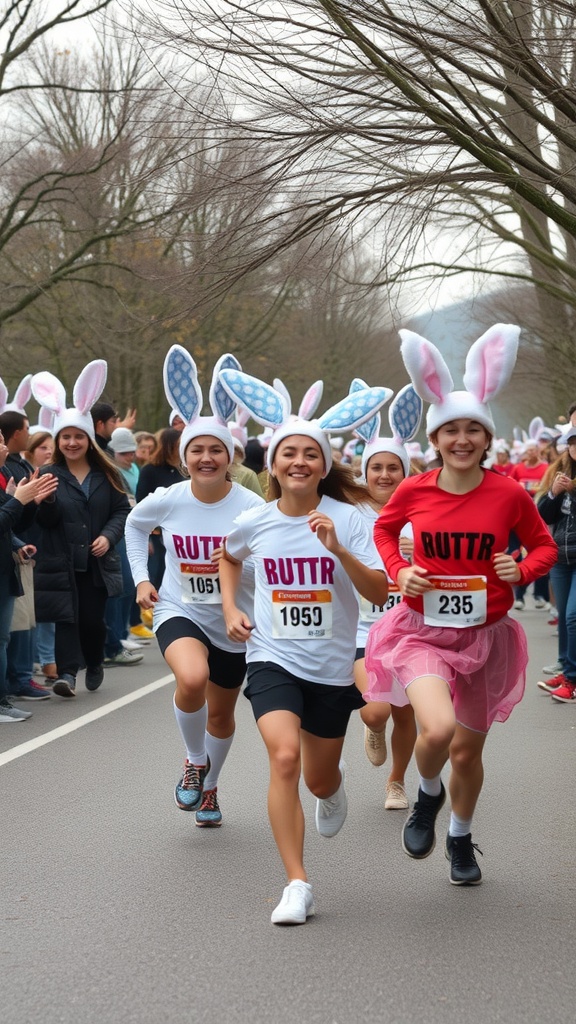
(94, 677)
(463, 867)
(419, 836)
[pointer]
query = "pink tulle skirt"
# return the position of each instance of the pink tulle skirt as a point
(485, 668)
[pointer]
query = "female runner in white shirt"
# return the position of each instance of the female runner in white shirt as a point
(311, 553)
(194, 517)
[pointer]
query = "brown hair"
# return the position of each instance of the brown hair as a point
(35, 440)
(97, 459)
(563, 464)
(340, 483)
(168, 448)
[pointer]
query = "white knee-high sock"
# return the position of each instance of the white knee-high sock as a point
(217, 751)
(192, 727)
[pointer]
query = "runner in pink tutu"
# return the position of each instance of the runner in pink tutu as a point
(449, 648)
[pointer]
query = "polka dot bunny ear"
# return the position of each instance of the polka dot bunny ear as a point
(264, 403)
(222, 405)
(405, 414)
(354, 410)
(181, 383)
(369, 430)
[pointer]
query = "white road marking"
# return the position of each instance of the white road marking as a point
(78, 723)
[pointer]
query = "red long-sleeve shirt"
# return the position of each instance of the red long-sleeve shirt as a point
(458, 534)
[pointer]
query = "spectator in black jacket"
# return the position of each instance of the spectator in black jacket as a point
(77, 567)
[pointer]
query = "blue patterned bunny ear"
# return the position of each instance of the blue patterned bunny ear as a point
(405, 414)
(370, 430)
(221, 404)
(354, 410)
(266, 405)
(281, 387)
(181, 383)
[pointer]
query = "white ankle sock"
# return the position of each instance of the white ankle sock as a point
(192, 727)
(459, 826)
(432, 787)
(217, 750)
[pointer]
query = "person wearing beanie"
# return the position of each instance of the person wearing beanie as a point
(449, 648)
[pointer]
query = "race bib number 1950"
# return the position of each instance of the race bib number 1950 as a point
(456, 601)
(301, 614)
(200, 583)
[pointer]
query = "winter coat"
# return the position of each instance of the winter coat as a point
(13, 516)
(66, 527)
(560, 514)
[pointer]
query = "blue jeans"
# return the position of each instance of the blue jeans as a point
(44, 643)
(563, 579)
(6, 612)
(118, 609)
(20, 659)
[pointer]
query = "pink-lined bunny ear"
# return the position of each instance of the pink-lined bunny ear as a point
(490, 361)
(21, 396)
(49, 391)
(221, 404)
(535, 427)
(3, 396)
(45, 418)
(427, 368)
(280, 386)
(311, 400)
(90, 385)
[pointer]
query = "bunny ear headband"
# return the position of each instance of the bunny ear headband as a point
(21, 396)
(489, 366)
(185, 396)
(49, 392)
(269, 406)
(404, 417)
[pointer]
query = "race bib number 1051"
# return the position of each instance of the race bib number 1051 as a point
(456, 601)
(301, 614)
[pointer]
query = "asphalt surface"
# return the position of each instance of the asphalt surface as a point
(114, 907)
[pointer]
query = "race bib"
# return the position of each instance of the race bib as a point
(456, 601)
(200, 584)
(372, 612)
(301, 614)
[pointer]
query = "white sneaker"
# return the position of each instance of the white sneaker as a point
(8, 713)
(296, 904)
(541, 604)
(552, 670)
(375, 746)
(132, 645)
(331, 812)
(519, 605)
(124, 657)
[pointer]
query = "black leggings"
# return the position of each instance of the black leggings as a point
(82, 642)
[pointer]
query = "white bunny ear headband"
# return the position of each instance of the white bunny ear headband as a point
(404, 416)
(269, 406)
(50, 393)
(21, 396)
(185, 396)
(489, 366)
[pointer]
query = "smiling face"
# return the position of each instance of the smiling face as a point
(384, 472)
(207, 461)
(73, 444)
(42, 453)
(298, 465)
(461, 443)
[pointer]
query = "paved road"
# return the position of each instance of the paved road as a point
(115, 908)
